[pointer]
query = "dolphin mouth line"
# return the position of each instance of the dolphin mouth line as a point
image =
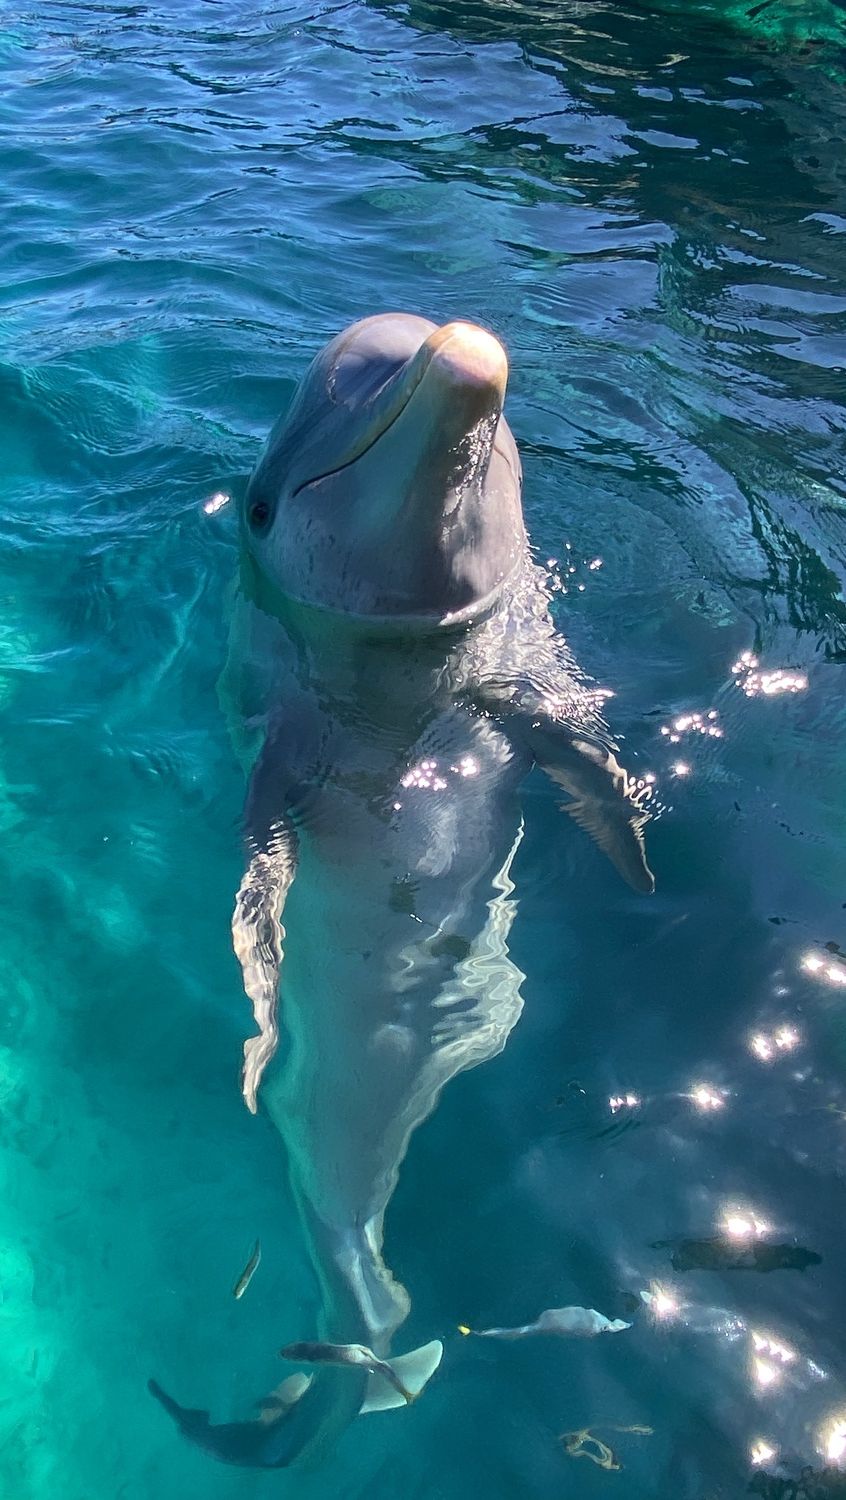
(389, 403)
(362, 447)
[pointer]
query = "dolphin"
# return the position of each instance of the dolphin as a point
(393, 675)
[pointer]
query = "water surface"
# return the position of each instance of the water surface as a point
(649, 208)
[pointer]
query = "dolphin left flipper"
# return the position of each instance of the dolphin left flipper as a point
(605, 800)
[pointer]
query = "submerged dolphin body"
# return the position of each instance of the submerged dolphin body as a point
(393, 675)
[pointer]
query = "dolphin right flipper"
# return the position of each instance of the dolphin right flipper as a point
(288, 761)
(257, 937)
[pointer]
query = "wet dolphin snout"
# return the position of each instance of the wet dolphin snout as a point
(456, 379)
(460, 357)
(391, 489)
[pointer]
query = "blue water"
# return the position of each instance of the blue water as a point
(649, 207)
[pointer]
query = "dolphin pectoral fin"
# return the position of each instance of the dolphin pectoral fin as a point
(619, 833)
(257, 937)
(413, 1372)
(605, 801)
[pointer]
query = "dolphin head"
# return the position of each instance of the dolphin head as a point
(390, 490)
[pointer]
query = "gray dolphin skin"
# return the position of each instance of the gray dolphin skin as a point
(353, 1355)
(393, 675)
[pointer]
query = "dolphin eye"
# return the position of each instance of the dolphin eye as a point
(259, 513)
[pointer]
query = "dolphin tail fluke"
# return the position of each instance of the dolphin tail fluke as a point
(187, 1418)
(413, 1370)
(297, 1423)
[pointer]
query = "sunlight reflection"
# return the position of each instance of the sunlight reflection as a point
(765, 1374)
(623, 1101)
(216, 502)
(739, 1223)
(693, 723)
(832, 1440)
(661, 1302)
(823, 969)
(561, 572)
(771, 1364)
(773, 1349)
(755, 683)
(599, 697)
(705, 1098)
(427, 776)
(766, 1045)
(424, 777)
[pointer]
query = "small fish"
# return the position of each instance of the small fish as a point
(573, 1322)
(356, 1355)
(720, 1254)
(248, 1272)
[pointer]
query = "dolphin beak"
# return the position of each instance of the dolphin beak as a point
(461, 356)
(451, 391)
(455, 381)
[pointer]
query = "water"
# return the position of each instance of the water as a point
(650, 210)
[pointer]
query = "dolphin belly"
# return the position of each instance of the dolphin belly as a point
(397, 977)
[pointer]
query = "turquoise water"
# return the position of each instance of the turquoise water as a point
(650, 210)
